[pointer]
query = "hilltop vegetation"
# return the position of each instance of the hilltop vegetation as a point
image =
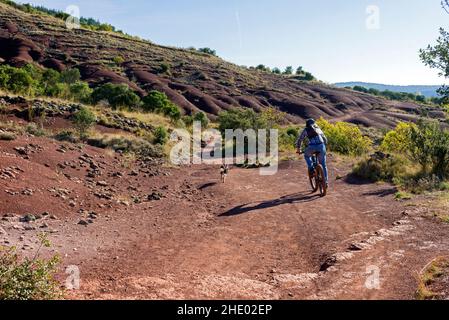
(88, 23)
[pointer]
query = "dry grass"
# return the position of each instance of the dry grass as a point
(431, 273)
(148, 118)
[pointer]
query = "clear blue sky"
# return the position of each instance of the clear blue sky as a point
(328, 37)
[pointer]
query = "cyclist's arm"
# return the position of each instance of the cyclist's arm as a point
(300, 140)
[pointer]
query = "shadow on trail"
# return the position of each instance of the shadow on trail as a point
(208, 185)
(355, 180)
(382, 193)
(301, 197)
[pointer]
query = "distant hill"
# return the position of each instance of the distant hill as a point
(194, 81)
(427, 91)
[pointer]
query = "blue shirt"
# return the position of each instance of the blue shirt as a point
(319, 139)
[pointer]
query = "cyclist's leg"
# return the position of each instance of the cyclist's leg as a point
(323, 161)
(308, 156)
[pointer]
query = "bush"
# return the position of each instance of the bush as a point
(158, 102)
(35, 130)
(17, 80)
(239, 118)
(201, 117)
(118, 60)
(83, 120)
(383, 167)
(188, 120)
(345, 138)
(155, 101)
(164, 68)
(399, 139)
(140, 147)
(425, 143)
(70, 76)
(28, 279)
(117, 95)
(160, 136)
(80, 91)
(66, 135)
(287, 138)
(288, 70)
(208, 51)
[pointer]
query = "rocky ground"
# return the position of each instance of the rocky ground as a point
(143, 230)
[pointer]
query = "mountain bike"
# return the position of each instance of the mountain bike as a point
(316, 177)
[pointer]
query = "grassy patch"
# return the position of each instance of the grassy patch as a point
(430, 274)
(7, 136)
(402, 195)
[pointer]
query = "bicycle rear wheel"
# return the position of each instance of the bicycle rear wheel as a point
(313, 182)
(321, 181)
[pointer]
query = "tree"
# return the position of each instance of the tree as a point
(437, 57)
(208, 51)
(80, 91)
(155, 101)
(308, 76)
(83, 120)
(277, 71)
(70, 76)
(299, 71)
(288, 70)
(20, 81)
(262, 67)
(117, 95)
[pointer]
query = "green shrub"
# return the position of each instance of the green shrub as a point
(188, 120)
(430, 148)
(35, 130)
(164, 68)
(158, 102)
(66, 135)
(28, 279)
(83, 120)
(383, 167)
(70, 76)
(399, 139)
(17, 80)
(239, 118)
(287, 139)
(155, 101)
(288, 70)
(160, 136)
(208, 51)
(118, 60)
(425, 143)
(80, 91)
(117, 95)
(424, 183)
(201, 117)
(345, 138)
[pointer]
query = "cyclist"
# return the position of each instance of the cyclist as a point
(317, 144)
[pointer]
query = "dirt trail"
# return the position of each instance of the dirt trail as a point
(255, 237)
(267, 237)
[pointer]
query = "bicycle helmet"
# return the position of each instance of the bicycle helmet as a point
(310, 122)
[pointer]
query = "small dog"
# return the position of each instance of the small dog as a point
(224, 171)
